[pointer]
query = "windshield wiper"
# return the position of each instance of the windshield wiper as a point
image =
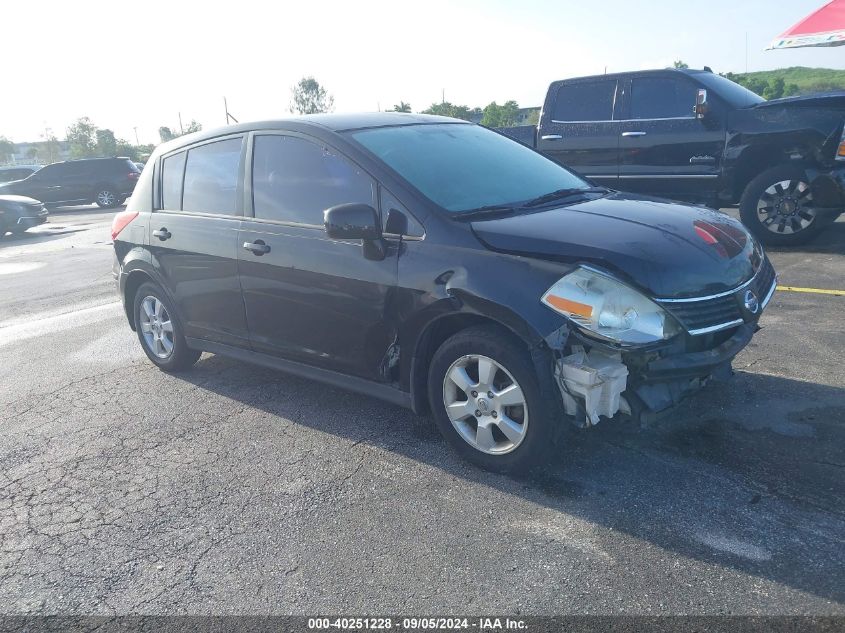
(563, 193)
(490, 210)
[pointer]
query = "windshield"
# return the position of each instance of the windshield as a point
(463, 167)
(736, 95)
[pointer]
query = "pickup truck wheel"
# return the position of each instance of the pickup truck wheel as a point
(487, 403)
(777, 207)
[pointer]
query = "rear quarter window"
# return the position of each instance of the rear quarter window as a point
(172, 172)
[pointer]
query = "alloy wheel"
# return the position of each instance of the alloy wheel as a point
(485, 404)
(786, 207)
(106, 198)
(156, 327)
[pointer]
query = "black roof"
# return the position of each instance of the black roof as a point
(333, 122)
(653, 71)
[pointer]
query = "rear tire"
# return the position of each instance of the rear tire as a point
(160, 332)
(512, 431)
(777, 207)
(106, 197)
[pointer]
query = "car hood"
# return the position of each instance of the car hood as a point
(670, 250)
(822, 100)
(29, 202)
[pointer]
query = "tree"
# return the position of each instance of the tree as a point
(774, 89)
(192, 127)
(309, 97)
(106, 143)
(7, 149)
(81, 137)
(504, 115)
(449, 109)
(49, 150)
(791, 90)
(679, 64)
(402, 107)
(166, 134)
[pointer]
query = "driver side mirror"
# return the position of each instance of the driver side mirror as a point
(701, 104)
(355, 221)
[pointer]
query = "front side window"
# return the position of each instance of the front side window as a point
(588, 101)
(172, 170)
(295, 180)
(662, 98)
(461, 167)
(211, 177)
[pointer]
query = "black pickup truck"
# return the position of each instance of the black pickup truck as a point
(697, 136)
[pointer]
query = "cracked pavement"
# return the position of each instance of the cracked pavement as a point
(233, 489)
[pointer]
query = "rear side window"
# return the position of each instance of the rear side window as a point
(589, 101)
(172, 170)
(211, 177)
(662, 98)
(295, 180)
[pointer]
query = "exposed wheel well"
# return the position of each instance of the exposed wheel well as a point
(133, 282)
(431, 339)
(754, 162)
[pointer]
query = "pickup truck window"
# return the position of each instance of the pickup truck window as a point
(588, 101)
(735, 95)
(462, 167)
(662, 98)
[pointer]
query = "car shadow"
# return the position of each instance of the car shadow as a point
(830, 240)
(746, 474)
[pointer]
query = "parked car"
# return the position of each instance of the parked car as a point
(694, 135)
(438, 265)
(106, 181)
(18, 213)
(17, 172)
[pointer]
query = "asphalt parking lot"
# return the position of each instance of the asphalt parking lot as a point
(237, 490)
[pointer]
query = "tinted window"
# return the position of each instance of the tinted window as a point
(734, 94)
(211, 177)
(662, 98)
(592, 101)
(172, 169)
(295, 180)
(462, 167)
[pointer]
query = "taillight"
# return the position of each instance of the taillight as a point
(121, 221)
(840, 150)
(134, 175)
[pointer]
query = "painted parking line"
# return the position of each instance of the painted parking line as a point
(818, 291)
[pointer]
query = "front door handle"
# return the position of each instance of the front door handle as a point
(258, 247)
(162, 234)
(551, 137)
(633, 133)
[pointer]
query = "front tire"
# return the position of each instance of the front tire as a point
(486, 400)
(159, 331)
(777, 207)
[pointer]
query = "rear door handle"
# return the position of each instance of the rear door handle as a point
(633, 133)
(162, 234)
(551, 137)
(258, 247)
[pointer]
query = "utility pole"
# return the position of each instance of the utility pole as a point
(181, 129)
(137, 142)
(228, 116)
(443, 95)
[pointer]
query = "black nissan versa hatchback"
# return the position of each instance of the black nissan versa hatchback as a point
(438, 265)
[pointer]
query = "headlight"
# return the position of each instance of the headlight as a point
(608, 308)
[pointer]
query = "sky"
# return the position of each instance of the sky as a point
(135, 66)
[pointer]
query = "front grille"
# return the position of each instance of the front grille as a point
(710, 314)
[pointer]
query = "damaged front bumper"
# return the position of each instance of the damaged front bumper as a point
(642, 384)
